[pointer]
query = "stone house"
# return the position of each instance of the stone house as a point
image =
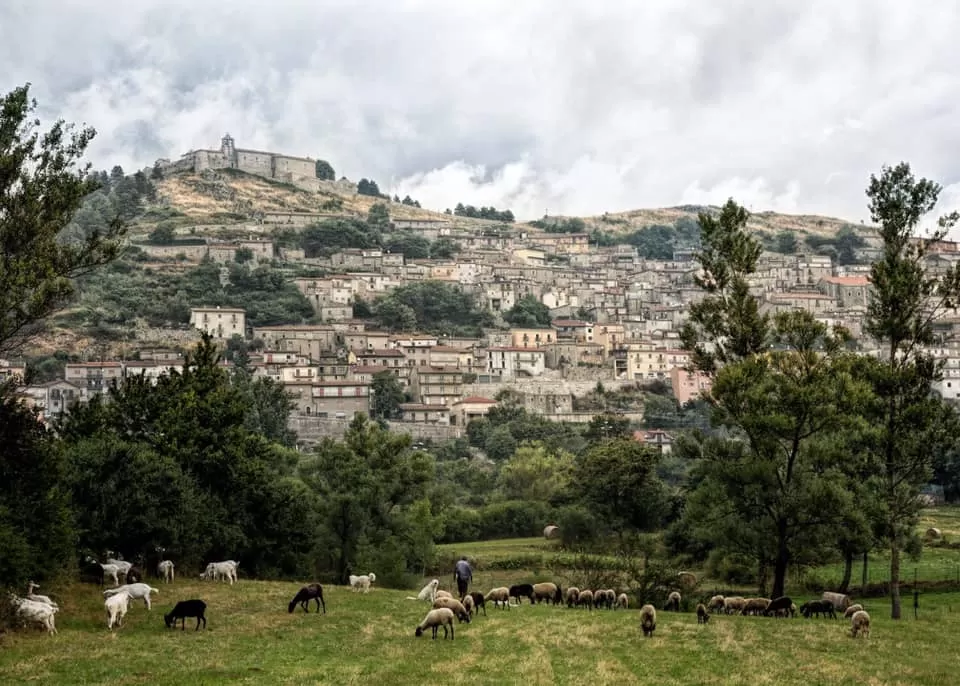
(465, 410)
(339, 399)
(308, 341)
(515, 362)
(436, 385)
(424, 414)
(220, 322)
(848, 291)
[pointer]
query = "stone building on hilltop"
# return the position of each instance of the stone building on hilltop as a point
(267, 164)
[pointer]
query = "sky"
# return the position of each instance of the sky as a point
(541, 106)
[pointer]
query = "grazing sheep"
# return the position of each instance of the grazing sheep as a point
(468, 604)
(702, 615)
(605, 598)
(497, 596)
(573, 596)
(443, 594)
(860, 624)
(305, 595)
(187, 608)
(37, 613)
(549, 592)
(165, 571)
(441, 616)
(839, 601)
(458, 608)
(362, 583)
(755, 606)
(734, 605)
(135, 591)
(478, 602)
(39, 598)
(648, 619)
(428, 592)
(853, 609)
(522, 591)
(116, 606)
(551, 531)
(673, 602)
(778, 607)
(715, 604)
(622, 601)
(586, 599)
(818, 607)
(134, 576)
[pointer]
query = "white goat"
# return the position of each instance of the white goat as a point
(38, 613)
(217, 570)
(116, 606)
(133, 591)
(39, 598)
(122, 565)
(362, 582)
(165, 571)
(111, 570)
(428, 592)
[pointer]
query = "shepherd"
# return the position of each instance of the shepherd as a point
(463, 575)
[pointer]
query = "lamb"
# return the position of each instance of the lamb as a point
(586, 598)
(135, 591)
(184, 609)
(733, 606)
(428, 592)
(134, 576)
(478, 602)
(165, 571)
(441, 616)
(702, 615)
(778, 607)
(648, 619)
(573, 596)
(622, 601)
(860, 624)
(359, 583)
(38, 613)
(456, 606)
(116, 606)
(498, 596)
(839, 601)
(468, 604)
(755, 606)
(673, 602)
(522, 591)
(305, 595)
(715, 604)
(39, 598)
(850, 611)
(549, 592)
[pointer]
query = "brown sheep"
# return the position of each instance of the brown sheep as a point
(573, 596)
(850, 611)
(702, 615)
(586, 598)
(715, 604)
(548, 592)
(755, 606)
(860, 624)
(648, 619)
(673, 602)
(455, 605)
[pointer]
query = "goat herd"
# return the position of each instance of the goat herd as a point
(40, 609)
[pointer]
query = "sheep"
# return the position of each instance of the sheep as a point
(850, 611)
(443, 594)
(428, 592)
(478, 602)
(839, 601)
(573, 596)
(778, 607)
(135, 591)
(549, 592)
(499, 595)
(860, 624)
(673, 602)
(622, 601)
(702, 615)
(648, 619)
(586, 599)
(165, 571)
(358, 583)
(134, 576)
(755, 606)
(39, 598)
(715, 604)
(116, 606)
(600, 598)
(36, 612)
(468, 604)
(611, 598)
(456, 606)
(520, 591)
(305, 595)
(818, 607)
(734, 605)
(187, 608)
(442, 616)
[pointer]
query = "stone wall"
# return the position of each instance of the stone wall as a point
(313, 429)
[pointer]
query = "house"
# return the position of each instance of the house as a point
(531, 338)
(436, 385)
(93, 377)
(341, 399)
(689, 385)
(449, 356)
(849, 291)
(656, 438)
(219, 322)
(55, 397)
(415, 348)
(573, 329)
(12, 371)
(512, 362)
(642, 361)
(466, 410)
(307, 341)
(424, 414)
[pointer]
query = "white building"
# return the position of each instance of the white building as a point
(219, 322)
(509, 362)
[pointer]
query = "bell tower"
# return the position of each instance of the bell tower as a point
(229, 150)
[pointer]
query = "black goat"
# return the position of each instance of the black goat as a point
(184, 609)
(521, 591)
(305, 595)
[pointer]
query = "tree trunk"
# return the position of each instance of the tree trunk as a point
(865, 575)
(783, 561)
(895, 579)
(847, 572)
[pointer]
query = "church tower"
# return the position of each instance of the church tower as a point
(229, 150)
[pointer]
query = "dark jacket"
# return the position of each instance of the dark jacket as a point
(463, 570)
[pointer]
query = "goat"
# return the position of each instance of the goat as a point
(305, 595)
(184, 609)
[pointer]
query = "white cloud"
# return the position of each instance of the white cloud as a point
(577, 107)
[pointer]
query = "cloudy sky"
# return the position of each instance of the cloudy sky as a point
(538, 105)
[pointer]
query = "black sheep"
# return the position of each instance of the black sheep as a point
(305, 595)
(479, 602)
(778, 604)
(521, 591)
(184, 609)
(818, 607)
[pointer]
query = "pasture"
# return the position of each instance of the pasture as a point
(368, 639)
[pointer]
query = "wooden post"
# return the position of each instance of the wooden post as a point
(916, 595)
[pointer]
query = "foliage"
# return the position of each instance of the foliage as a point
(162, 234)
(243, 255)
(444, 248)
(324, 171)
(528, 312)
(333, 235)
(386, 396)
(786, 242)
(368, 187)
(378, 217)
(411, 245)
(493, 213)
(533, 473)
(434, 306)
(842, 248)
(566, 225)
(658, 241)
(41, 187)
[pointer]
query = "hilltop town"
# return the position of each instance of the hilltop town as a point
(458, 309)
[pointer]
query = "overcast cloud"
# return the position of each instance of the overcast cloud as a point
(560, 105)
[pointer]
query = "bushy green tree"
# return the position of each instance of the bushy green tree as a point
(535, 473)
(528, 312)
(387, 395)
(324, 171)
(378, 217)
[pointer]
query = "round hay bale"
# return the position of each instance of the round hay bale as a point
(551, 531)
(687, 579)
(933, 533)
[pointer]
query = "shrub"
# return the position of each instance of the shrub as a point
(577, 526)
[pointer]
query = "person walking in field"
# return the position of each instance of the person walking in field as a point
(463, 575)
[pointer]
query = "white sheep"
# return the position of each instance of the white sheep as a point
(165, 571)
(428, 592)
(38, 613)
(715, 604)
(468, 604)
(122, 565)
(860, 624)
(434, 620)
(458, 608)
(622, 601)
(839, 601)
(648, 619)
(734, 605)
(499, 595)
(134, 591)
(116, 607)
(39, 598)
(443, 594)
(853, 609)
(362, 583)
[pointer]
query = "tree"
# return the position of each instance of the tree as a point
(324, 171)
(378, 217)
(528, 312)
(368, 187)
(41, 187)
(156, 174)
(332, 235)
(786, 242)
(910, 424)
(535, 473)
(444, 248)
(387, 396)
(162, 234)
(606, 426)
(243, 255)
